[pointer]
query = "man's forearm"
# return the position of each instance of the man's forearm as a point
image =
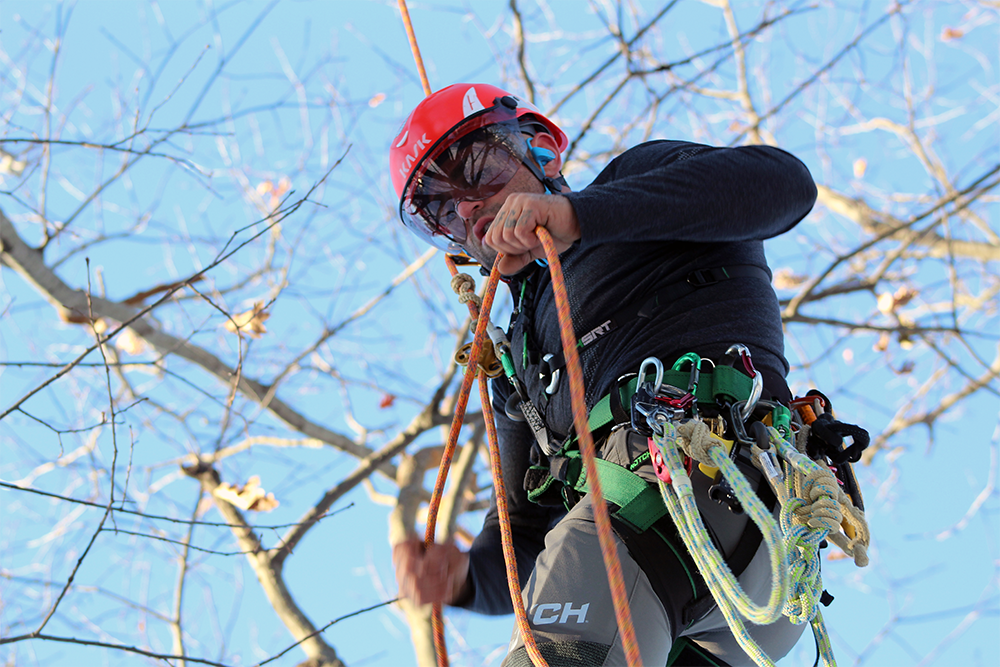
(715, 195)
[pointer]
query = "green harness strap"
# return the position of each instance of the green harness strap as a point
(727, 385)
(640, 505)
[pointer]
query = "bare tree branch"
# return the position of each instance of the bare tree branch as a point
(268, 575)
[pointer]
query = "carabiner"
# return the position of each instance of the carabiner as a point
(755, 392)
(695, 368)
(692, 388)
(744, 352)
(554, 380)
(758, 380)
(656, 364)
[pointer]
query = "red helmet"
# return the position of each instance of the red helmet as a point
(439, 122)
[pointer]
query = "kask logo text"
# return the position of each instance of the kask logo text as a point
(418, 146)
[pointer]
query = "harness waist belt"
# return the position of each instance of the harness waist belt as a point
(722, 384)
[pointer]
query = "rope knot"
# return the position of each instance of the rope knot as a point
(697, 440)
(464, 286)
(820, 493)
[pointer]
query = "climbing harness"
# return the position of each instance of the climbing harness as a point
(813, 480)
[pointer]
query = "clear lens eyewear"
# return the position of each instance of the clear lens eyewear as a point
(474, 166)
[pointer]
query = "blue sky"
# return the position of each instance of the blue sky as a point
(356, 52)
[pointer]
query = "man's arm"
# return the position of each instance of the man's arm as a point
(663, 191)
(477, 580)
(678, 191)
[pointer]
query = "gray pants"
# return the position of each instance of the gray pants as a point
(572, 617)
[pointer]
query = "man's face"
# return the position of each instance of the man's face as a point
(478, 215)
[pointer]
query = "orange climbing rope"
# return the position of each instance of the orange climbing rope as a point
(410, 35)
(605, 537)
(588, 450)
(437, 619)
(577, 398)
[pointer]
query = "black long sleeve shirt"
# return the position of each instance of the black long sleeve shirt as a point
(653, 215)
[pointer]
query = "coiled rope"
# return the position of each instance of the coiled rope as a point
(811, 510)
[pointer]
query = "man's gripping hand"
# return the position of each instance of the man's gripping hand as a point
(427, 575)
(512, 232)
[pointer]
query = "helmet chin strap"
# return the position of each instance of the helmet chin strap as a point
(539, 158)
(534, 160)
(553, 186)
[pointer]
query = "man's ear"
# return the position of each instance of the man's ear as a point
(547, 142)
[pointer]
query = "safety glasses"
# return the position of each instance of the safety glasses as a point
(472, 162)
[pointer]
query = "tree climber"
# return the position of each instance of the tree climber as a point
(662, 254)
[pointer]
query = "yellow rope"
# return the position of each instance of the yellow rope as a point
(808, 515)
(855, 542)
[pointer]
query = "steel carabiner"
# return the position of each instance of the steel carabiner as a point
(658, 366)
(758, 379)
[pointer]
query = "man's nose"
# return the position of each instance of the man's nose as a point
(466, 209)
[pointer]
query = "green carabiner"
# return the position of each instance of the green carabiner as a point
(695, 370)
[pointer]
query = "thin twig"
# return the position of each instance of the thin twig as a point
(157, 517)
(327, 626)
(119, 647)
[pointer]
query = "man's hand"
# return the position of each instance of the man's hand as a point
(512, 232)
(427, 575)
